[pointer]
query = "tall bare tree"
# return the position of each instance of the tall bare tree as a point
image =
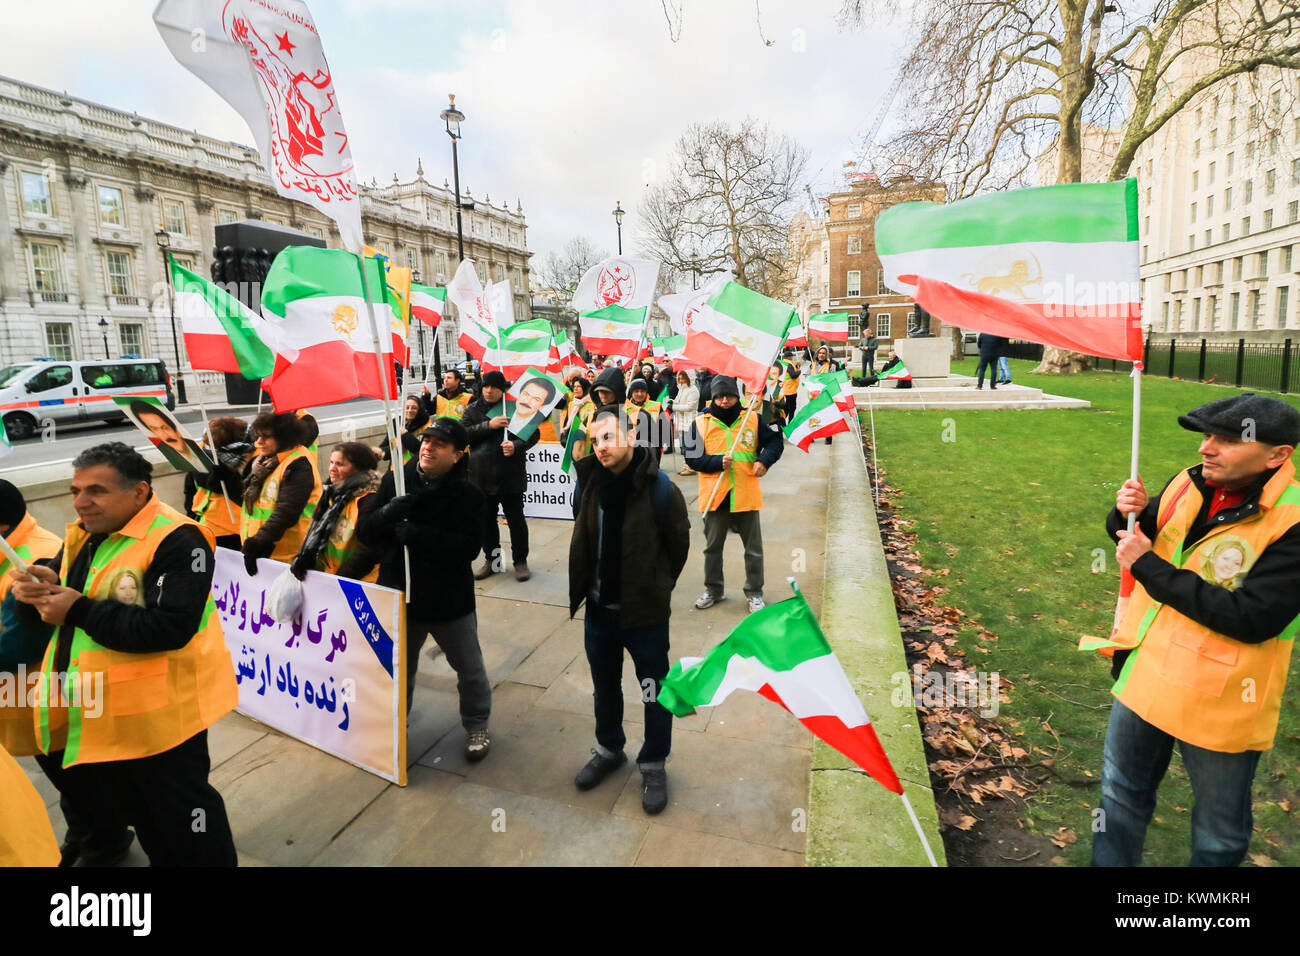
(561, 269)
(991, 84)
(726, 203)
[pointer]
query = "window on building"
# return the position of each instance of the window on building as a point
(1191, 243)
(1237, 265)
(110, 206)
(881, 288)
(131, 335)
(1196, 313)
(47, 272)
(1144, 253)
(882, 325)
(1254, 116)
(1254, 309)
(1284, 258)
(1178, 315)
(1261, 263)
(1196, 149)
(1274, 141)
(1293, 211)
(226, 216)
(315, 232)
(1248, 192)
(174, 216)
(1164, 315)
(1209, 207)
(36, 195)
(1295, 172)
(1245, 226)
(1196, 179)
(1208, 236)
(855, 210)
(118, 267)
(412, 259)
(1227, 231)
(58, 343)
(1227, 199)
(855, 245)
(1211, 180)
(1250, 152)
(1270, 182)
(1268, 219)
(853, 283)
(1193, 216)
(1235, 311)
(826, 256)
(1231, 158)
(1283, 294)
(1232, 128)
(1211, 312)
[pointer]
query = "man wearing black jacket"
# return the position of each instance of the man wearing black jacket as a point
(498, 467)
(438, 522)
(630, 542)
(1201, 653)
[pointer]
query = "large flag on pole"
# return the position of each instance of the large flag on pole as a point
(781, 653)
(314, 299)
(478, 329)
(839, 386)
(524, 345)
(1055, 264)
(221, 334)
(613, 330)
(629, 283)
(683, 306)
(267, 61)
(674, 350)
(819, 418)
(797, 338)
(828, 326)
(398, 282)
(739, 332)
(428, 304)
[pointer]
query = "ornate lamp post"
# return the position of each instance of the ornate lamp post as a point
(619, 213)
(103, 330)
(164, 239)
(453, 118)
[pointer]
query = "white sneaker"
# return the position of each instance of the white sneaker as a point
(756, 603)
(705, 601)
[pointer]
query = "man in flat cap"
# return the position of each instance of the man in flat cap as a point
(1201, 652)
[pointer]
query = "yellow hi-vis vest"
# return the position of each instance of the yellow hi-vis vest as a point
(287, 547)
(1195, 684)
(32, 542)
(822, 368)
(214, 510)
(452, 407)
(143, 704)
(343, 541)
(738, 481)
(789, 384)
(26, 838)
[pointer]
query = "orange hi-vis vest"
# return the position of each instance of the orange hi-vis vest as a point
(214, 510)
(32, 542)
(738, 482)
(789, 384)
(821, 368)
(581, 419)
(343, 541)
(26, 838)
(1195, 684)
(143, 704)
(452, 407)
(286, 549)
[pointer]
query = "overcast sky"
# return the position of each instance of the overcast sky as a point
(570, 105)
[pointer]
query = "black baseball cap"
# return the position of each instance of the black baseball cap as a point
(447, 429)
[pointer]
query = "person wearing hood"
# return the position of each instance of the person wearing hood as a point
(728, 441)
(822, 364)
(630, 541)
(417, 418)
(639, 401)
(685, 407)
(652, 384)
(213, 499)
(331, 545)
(498, 468)
(281, 488)
(439, 524)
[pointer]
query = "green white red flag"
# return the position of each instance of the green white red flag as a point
(673, 349)
(829, 326)
(739, 332)
(1055, 264)
(820, 417)
(221, 334)
(428, 304)
(522, 345)
(898, 372)
(797, 337)
(314, 299)
(840, 389)
(781, 653)
(613, 330)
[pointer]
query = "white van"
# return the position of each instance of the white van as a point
(67, 392)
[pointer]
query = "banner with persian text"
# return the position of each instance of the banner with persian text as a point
(333, 677)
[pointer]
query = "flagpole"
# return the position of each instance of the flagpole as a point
(207, 430)
(919, 832)
(390, 426)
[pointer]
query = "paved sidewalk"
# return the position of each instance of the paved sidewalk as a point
(738, 774)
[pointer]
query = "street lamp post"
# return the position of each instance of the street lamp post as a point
(103, 330)
(164, 239)
(453, 118)
(619, 212)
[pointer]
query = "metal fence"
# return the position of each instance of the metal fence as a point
(1271, 366)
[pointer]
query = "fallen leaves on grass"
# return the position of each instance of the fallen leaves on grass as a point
(1064, 837)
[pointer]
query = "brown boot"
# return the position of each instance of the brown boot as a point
(521, 571)
(485, 570)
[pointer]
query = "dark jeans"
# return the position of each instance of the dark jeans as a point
(513, 506)
(868, 362)
(1137, 755)
(458, 639)
(605, 642)
(989, 362)
(179, 817)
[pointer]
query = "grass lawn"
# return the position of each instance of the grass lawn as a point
(1014, 503)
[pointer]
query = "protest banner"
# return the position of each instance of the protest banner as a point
(550, 490)
(334, 676)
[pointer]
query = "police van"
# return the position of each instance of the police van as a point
(69, 392)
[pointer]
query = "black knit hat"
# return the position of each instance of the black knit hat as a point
(12, 506)
(723, 385)
(1266, 419)
(494, 379)
(638, 383)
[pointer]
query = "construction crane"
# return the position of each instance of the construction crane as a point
(868, 141)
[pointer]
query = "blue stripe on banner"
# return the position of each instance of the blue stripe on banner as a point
(368, 621)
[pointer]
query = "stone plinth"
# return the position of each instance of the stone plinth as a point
(925, 358)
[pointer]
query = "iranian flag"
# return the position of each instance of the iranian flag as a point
(781, 653)
(829, 326)
(837, 383)
(524, 345)
(476, 340)
(313, 298)
(1056, 264)
(738, 332)
(898, 371)
(674, 349)
(428, 304)
(564, 356)
(683, 306)
(798, 336)
(819, 418)
(221, 334)
(613, 330)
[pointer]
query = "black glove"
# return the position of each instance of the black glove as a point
(300, 566)
(397, 510)
(255, 548)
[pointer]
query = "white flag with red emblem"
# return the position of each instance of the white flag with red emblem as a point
(628, 283)
(265, 58)
(683, 306)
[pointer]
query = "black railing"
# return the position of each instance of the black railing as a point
(1264, 365)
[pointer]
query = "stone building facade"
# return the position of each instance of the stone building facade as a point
(85, 187)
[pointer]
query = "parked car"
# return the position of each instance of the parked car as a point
(69, 392)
